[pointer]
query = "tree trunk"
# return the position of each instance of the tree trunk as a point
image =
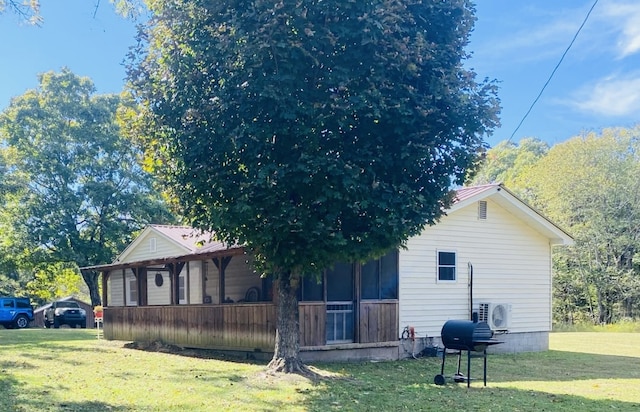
(287, 349)
(91, 279)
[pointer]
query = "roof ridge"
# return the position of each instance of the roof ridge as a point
(180, 226)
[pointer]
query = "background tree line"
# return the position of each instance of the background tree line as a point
(72, 191)
(590, 186)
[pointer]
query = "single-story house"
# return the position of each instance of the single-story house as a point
(491, 254)
(38, 313)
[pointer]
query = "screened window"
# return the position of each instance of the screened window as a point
(340, 321)
(181, 288)
(379, 277)
(446, 266)
(340, 283)
(311, 289)
(133, 290)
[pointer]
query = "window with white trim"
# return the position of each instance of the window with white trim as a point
(181, 289)
(446, 266)
(133, 291)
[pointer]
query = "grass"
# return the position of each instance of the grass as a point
(626, 326)
(71, 370)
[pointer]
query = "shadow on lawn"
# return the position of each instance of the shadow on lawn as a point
(348, 395)
(161, 347)
(13, 398)
(408, 385)
(50, 351)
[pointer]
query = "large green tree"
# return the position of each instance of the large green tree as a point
(311, 132)
(590, 186)
(76, 192)
(507, 161)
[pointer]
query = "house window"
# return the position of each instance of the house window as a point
(181, 289)
(311, 289)
(133, 290)
(340, 315)
(446, 266)
(340, 283)
(339, 322)
(379, 278)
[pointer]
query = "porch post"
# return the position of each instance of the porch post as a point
(172, 283)
(221, 264)
(145, 286)
(357, 295)
(177, 268)
(105, 276)
(141, 281)
(124, 287)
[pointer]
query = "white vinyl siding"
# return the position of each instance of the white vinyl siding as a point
(115, 294)
(194, 289)
(147, 248)
(212, 279)
(239, 277)
(158, 295)
(511, 264)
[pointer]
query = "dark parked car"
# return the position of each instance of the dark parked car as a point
(15, 312)
(65, 312)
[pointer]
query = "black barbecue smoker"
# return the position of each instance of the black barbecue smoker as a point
(465, 335)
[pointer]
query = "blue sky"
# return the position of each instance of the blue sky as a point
(516, 42)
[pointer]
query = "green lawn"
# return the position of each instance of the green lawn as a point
(71, 370)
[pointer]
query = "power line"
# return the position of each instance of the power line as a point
(554, 70)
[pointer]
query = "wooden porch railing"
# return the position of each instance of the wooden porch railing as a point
(238, 326)
(245, 326)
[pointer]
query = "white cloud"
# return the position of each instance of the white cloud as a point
(611, 96)
(526, 42)
(625, 17)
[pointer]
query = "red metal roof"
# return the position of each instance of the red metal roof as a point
(186, 236)
(465, 193)
(193, 239)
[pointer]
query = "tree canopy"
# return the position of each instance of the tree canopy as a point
(588, 185)
(75, 191)
(506, 161)
(311, 132)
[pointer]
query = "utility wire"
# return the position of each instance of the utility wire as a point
(554, 70)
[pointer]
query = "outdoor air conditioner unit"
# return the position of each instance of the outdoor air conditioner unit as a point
(497, 315)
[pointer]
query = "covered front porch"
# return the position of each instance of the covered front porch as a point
(215, 300)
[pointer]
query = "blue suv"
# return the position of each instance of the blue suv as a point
(15, 312)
